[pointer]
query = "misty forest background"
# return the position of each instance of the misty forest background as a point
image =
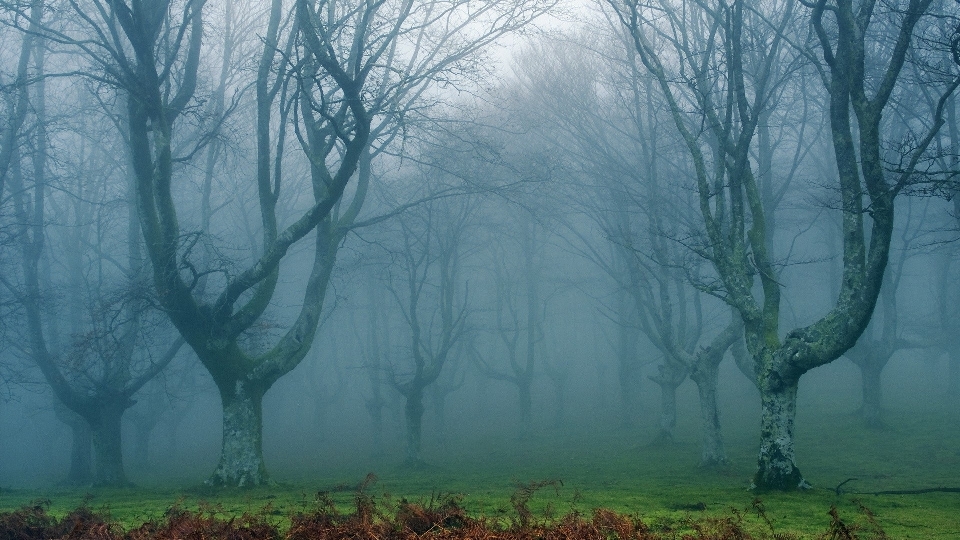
(244, 240)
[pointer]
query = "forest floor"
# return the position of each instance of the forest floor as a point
(551, 486)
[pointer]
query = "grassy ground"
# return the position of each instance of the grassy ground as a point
(658, 483)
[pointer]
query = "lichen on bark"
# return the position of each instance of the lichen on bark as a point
(241, 457)
(776, 463)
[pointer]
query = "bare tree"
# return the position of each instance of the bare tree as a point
(885, 334)
(519, 310)
(106, 359)
(374, 339)
(616, 140)
(14, 87)
(338, 75)
(428, 291)
(729, 94)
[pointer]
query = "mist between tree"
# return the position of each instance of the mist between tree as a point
(250, 241)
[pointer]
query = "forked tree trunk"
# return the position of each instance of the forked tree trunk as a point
(241, 458)
(870, 357)
(668, 379)
(776, 464)
(704, 371)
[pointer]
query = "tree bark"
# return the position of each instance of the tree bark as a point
(713, 452)
(669, 379)
(777, 464)
(735, 217)
(870, 363)
(241, 458)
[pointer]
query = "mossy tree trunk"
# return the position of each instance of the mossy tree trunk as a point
(712, 450)
(214, 328)
(777, 463)
(349, 61)
(241, 458)
(705, 368)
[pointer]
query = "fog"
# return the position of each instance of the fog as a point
(243, 242)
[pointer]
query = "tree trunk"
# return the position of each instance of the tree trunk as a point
(81, 449)
(81, 454)
(871, 357)
(668, 410)
(108, 450)
(241, 457)
(413, 411)
(669, 378)
(713, 452)
(776, 464)
(745, 363)
(376, 402)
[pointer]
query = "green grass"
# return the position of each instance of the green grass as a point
(604, 468)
